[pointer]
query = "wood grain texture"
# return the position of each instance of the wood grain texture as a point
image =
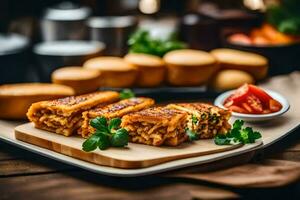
(133, 156)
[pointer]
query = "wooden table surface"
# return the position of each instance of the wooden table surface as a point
(24, 174)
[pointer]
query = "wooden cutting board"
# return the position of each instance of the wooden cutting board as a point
(132, 156)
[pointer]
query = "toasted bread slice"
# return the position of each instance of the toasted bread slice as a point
(156, 126)
(63, 116)
(114, 110)
(205, 119)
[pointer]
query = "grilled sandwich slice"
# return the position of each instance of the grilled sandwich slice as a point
(204, 119)
(110, 111)
(156, 126)
(63, 116)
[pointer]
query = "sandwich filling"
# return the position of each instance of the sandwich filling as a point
(63, 116)
(156, 126)
(114, 110)
(204, 119)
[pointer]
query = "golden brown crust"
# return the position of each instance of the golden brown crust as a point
(231, 79)
(82, 80)
(115, 71)
(63, 116)
(110, 111)
(151, 69)
(252, 63)
(15, 99)
(156, 126)
(189, 67)
(190, 75)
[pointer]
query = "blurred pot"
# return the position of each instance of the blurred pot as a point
(114, 31)
(199, 32)
(13, 58)
(282, 58)
(56, 54)
(66, 21)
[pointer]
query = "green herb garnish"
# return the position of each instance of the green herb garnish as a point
(126, 94)
(107, 134)
(285, 17)
(192, 135)
(194, 119)
(238, 134)
(142, 42)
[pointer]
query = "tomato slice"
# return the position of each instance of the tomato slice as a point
(266, 111)
(254, 103)
(237, 109)
(239, 95)
(260, 93)
(247, 107)
(274, 105)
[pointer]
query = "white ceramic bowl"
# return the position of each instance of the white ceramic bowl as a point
(219, 101)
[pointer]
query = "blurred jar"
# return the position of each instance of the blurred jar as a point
(66, 21)
(114, 31)
(199, 32)
(13, 58)
(55, 54)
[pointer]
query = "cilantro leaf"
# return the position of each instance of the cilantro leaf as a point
(91, 143)
(192, 135)
(99, 123)
(238, 124)
(120, 138)
(221, 139)
(104, 142)
(238, 134)
(114, 124)
(126, 94)
(107, 134)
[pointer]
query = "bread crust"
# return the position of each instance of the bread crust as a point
(80, 79)
(15, 99)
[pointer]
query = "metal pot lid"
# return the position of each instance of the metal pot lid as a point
(112, 22)
(67, 11)
(12, 43)
(68, 48)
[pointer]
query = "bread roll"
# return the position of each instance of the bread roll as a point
(231, 79)
(252, 63)
(15, 99)
(151, 69)
(115, 71)
(189, 67)
(82, 80)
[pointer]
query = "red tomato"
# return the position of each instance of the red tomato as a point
(274, 105)
(266, 111)
(247, 108)
(238, 96)
(260, 93)
(254, 103)
(251, 99)
(237, 109)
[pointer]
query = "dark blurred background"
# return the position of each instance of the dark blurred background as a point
(200, 24)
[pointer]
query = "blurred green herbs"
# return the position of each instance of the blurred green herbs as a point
(285, 17)
(142, 42)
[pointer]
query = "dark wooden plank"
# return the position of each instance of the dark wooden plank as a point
(83, 186)
(19, 167)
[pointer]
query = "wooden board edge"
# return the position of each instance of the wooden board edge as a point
(104, 160)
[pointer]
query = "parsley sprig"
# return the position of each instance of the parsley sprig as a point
(238, 134)
(107, 134)
(126, 94)
(141, 41)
